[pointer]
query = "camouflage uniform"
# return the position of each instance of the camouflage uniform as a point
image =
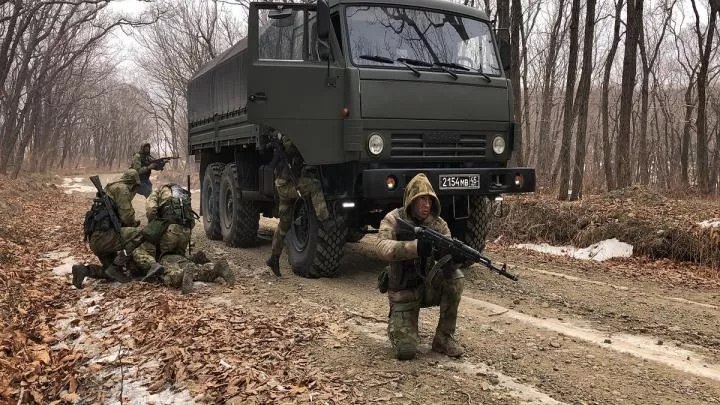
(106, 243)
(308, 185)
(141, 163)
(407, 284)
(175, 268)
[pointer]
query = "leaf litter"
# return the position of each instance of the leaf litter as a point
(137, 342)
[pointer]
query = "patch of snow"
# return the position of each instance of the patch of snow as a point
(74, 184)
(135, 393)
(603, 250)
(65, 268)
(56, 254)
(195, 191)
(710, 223)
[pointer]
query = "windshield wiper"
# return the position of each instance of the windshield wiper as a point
(442, 67)
(458, 66)
(415, 62)
(382, 59)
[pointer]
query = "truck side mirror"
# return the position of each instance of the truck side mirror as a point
(505, 54)
(323, 20)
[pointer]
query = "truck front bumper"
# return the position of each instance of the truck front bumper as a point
(389, 184)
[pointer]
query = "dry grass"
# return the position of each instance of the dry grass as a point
(657, 226)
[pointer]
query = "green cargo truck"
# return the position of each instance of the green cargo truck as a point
(371, 92)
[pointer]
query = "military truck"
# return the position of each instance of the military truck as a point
(371, 92)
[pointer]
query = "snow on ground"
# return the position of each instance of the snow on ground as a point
(74, 185)
(603, 250)
(710, 223)
(67, 262)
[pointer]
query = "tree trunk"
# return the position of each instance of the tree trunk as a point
(568, 106)
(702, 138)
(623, 145)
(516, 22)
(685, 143)
(582, 99)
(605, 102)
(545, 151)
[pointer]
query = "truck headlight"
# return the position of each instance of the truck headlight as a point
(498, 145)
(375, 144)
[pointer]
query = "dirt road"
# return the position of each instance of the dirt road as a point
(565, 333)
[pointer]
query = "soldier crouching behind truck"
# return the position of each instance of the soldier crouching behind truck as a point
(104, 240)
(291, 183)
(141, 161)
(412, 281)
(167, 234)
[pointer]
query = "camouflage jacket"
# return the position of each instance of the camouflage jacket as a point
(121, 194)
(402, 255)
(140, 162)
(156, 199)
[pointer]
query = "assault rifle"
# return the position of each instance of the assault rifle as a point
(161, 162)
(110, 207)
(459, 251)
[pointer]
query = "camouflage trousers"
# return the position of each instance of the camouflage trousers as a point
(309, 187)
(445, 290)
(173, 242)
(170, 253)
(176, 266)
(106, 245)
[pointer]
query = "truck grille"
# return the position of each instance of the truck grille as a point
(437, 145)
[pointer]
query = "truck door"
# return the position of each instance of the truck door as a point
(291, 86)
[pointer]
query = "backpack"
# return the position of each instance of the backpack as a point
(97, 218)
(177, 209)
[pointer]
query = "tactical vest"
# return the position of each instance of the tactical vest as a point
(98, 218)
(177, 208)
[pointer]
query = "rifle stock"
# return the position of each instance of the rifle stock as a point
(458, 250)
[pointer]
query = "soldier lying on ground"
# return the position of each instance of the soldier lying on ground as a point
(412, 282)
(167, 234)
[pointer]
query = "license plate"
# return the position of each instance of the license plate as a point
(459, 181)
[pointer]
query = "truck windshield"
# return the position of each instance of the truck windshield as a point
(430, 36)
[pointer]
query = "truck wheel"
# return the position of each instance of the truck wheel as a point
(478, 224)
(239, 220)
(210, 196)
(314, 248)
(354, 235)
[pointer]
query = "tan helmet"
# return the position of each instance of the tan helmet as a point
(130, 177)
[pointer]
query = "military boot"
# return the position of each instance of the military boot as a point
(199, 257)
(447, 344)
(223, 269)
(274, 263)
(156, 270)
(187, 281)
(79, 272)
(116, 273)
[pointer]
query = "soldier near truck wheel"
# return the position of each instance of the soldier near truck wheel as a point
(142, 162)
(104, 240)
(291, 182)
(412, 281)
(167, 235)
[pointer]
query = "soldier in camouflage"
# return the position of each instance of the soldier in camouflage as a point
(411, 264)
(167, 235)
(289, 169)
(104, 240)
(141, 163)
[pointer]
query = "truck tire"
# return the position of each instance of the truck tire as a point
(354, 235)
(210, 196)
(478, 223)
(314, 248)
(239, 220)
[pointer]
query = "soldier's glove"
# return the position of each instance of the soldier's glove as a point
(424, 248)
